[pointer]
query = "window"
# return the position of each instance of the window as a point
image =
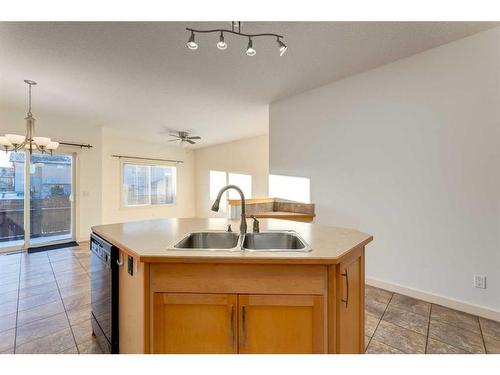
(145, 185)
(219, 179)
(243, 181)
(288, 187)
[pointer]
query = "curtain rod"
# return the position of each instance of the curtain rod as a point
(81, 145)
(141, 158)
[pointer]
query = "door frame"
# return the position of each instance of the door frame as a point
(22, 247)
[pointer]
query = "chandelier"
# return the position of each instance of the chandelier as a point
(16, 142)
(222, 45)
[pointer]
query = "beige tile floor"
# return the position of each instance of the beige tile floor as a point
(45, 308)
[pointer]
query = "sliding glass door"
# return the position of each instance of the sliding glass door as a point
(36, 200)
(51, 198)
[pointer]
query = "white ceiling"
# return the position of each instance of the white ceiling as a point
(141, 77)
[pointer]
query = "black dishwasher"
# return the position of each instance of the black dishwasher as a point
(104, 293)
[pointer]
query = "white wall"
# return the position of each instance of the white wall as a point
(246, 156)
(408, 152)
(88, 161)
(120, 143)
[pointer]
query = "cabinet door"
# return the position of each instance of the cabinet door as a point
(195, 323)
(350, 306)
(281, 324)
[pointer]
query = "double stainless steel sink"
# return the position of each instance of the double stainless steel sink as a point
(272, 241)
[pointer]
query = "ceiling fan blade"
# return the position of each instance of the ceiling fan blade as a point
(173, 140)
(194, 137)
(190, 141)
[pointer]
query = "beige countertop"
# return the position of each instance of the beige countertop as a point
(149, 241)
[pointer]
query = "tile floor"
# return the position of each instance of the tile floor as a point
(45, 308)
(45, 302)
(399, 324)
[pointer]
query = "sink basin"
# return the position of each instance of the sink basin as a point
(275, 241)
(209, 241)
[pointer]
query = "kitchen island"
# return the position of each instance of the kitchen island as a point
(199, 301)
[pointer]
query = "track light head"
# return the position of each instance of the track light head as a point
(191, 44)
(250, 51)
(282, 46)
(222, 45)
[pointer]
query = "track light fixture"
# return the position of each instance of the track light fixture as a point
(222, 45)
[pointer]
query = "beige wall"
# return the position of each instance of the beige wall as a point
(98, 185)
(116, 142)
(246, 156)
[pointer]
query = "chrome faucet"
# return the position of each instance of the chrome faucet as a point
(215, 206)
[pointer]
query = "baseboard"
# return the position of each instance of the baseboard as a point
(466, 307)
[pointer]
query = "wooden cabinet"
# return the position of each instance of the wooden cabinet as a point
(208, 323)
(350, 306)
(195, 323)
(280, 324)
(256, 308)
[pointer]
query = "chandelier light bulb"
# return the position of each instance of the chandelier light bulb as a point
(222, 45)
(250, 51)
(191, 44)
(41, 141)
(282, 46)
(5, 142)
(52, 145)
(15, 139)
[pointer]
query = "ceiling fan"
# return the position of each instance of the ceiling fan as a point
(183, 136)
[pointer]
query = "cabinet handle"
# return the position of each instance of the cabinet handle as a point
(119, 261)
(346, 300)
(231, 327)
(244, 324)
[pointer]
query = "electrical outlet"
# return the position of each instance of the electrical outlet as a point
(480, 281)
